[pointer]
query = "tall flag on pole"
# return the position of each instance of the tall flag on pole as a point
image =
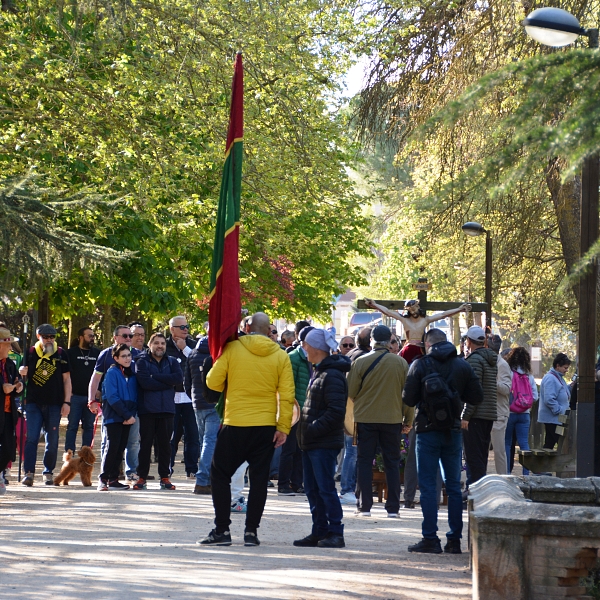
(225, 299)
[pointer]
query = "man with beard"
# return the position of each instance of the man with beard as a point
(414, 322)
(82, 358)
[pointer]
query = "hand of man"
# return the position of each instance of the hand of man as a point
(279, 438)
(7, 388)
(23, 371)
(94, 406)
(65, 410)
(19, 387)
(464, 424)
(180, 343)
(406, 428)
(129, 421)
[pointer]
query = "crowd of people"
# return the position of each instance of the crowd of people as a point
(301, 405)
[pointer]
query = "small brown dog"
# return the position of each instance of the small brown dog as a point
(84, 465)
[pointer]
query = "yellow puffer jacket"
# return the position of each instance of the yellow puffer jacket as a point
(255, 369)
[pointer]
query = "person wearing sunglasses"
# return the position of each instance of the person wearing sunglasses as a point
(121, 335)
(395, 346)
(346, 345)
(48, 399)
(179, 346)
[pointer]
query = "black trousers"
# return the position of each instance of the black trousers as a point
(159, 425)
(184, 421)
(388, 436)
(7, 441)
(236, 445)
(117, 436)
(476, 441)
(552, 437)
(290, 462)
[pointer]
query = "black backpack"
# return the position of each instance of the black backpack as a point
(439, 401)
(211, 396)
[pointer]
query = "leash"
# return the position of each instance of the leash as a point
(94, 434)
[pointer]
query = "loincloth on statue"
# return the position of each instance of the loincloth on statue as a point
(411, 352)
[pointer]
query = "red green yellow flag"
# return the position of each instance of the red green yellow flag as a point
(225, 299)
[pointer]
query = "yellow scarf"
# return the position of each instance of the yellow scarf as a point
(39, 348)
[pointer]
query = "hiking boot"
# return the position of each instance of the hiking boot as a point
(286, 491)
(427, 546)
(48, 478)
(216, 539)
(27, 480)
(239, 506)
(310, 541)
(203, 489)
(453, 547)
(140, 484)
(102, 486)
(332, 540)
(117, 485)
(165, 484)
(251, 539)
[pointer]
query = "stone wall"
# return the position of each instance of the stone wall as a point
(532, 550)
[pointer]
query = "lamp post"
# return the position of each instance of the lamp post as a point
(557, 27)
(474, 229)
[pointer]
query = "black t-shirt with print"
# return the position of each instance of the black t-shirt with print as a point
(82, 364)
(45, 381)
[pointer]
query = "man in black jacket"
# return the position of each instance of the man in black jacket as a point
(180, 346)
(434, 444)
(321, 437)
(206, 415)
(363, 344)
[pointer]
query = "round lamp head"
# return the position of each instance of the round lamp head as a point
(552, 26)
(472, 228)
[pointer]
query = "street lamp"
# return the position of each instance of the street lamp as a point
(557, 27)
(474, 229)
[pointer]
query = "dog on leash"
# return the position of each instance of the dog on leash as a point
(84, 465)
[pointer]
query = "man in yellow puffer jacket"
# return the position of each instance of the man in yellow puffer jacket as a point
(255, 372)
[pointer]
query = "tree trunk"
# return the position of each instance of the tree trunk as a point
(75, 324)
(107, 327)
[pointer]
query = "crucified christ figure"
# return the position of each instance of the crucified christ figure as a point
(414, 322)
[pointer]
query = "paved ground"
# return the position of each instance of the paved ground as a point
(74, 542)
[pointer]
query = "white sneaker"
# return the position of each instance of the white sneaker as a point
(48, 478)
(2, 488)
(132, 477)
(348, 498)
(393, 515)
(362, 513)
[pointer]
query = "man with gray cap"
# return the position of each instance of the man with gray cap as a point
(477, 421)
(375, 384)
(48, 399)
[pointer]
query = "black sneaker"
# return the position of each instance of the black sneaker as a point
(251, 539)
(409, 504)
(453, 547)
(117, 485)
(427, 546)
(216, 539)
(286, 491)
(332, 540)
(310, 541)
(300, 491)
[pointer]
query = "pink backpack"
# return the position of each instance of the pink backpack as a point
(521, 397)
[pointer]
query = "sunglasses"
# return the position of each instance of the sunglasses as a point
(274, 332)
(182, 327)
(48, 337)
(347, 345)
(394, 342)
(127, 336)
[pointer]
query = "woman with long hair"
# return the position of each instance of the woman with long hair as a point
(519, 361)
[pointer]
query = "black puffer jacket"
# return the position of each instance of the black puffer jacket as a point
(445, 361)
(322, 419)
(179, 356)
(485, 366)
(192, 380)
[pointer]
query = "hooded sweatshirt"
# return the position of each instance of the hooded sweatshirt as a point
(485, 364)
(256, 372)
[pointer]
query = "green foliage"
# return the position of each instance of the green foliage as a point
(130, 100)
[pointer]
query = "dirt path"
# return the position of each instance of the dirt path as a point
(68, 543)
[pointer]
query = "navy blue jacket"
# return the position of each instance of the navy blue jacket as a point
(156, 383)
(119, 396)
(192, 376)
(322, 420)
(179, 356)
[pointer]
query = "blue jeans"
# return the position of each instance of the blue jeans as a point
(519, 424)
(48, 417)
(184, 417)
(274, 468)
(433, 448)
(79, 412)
(348, 478)
(319, 486)
(208, 426)
(133, 448)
